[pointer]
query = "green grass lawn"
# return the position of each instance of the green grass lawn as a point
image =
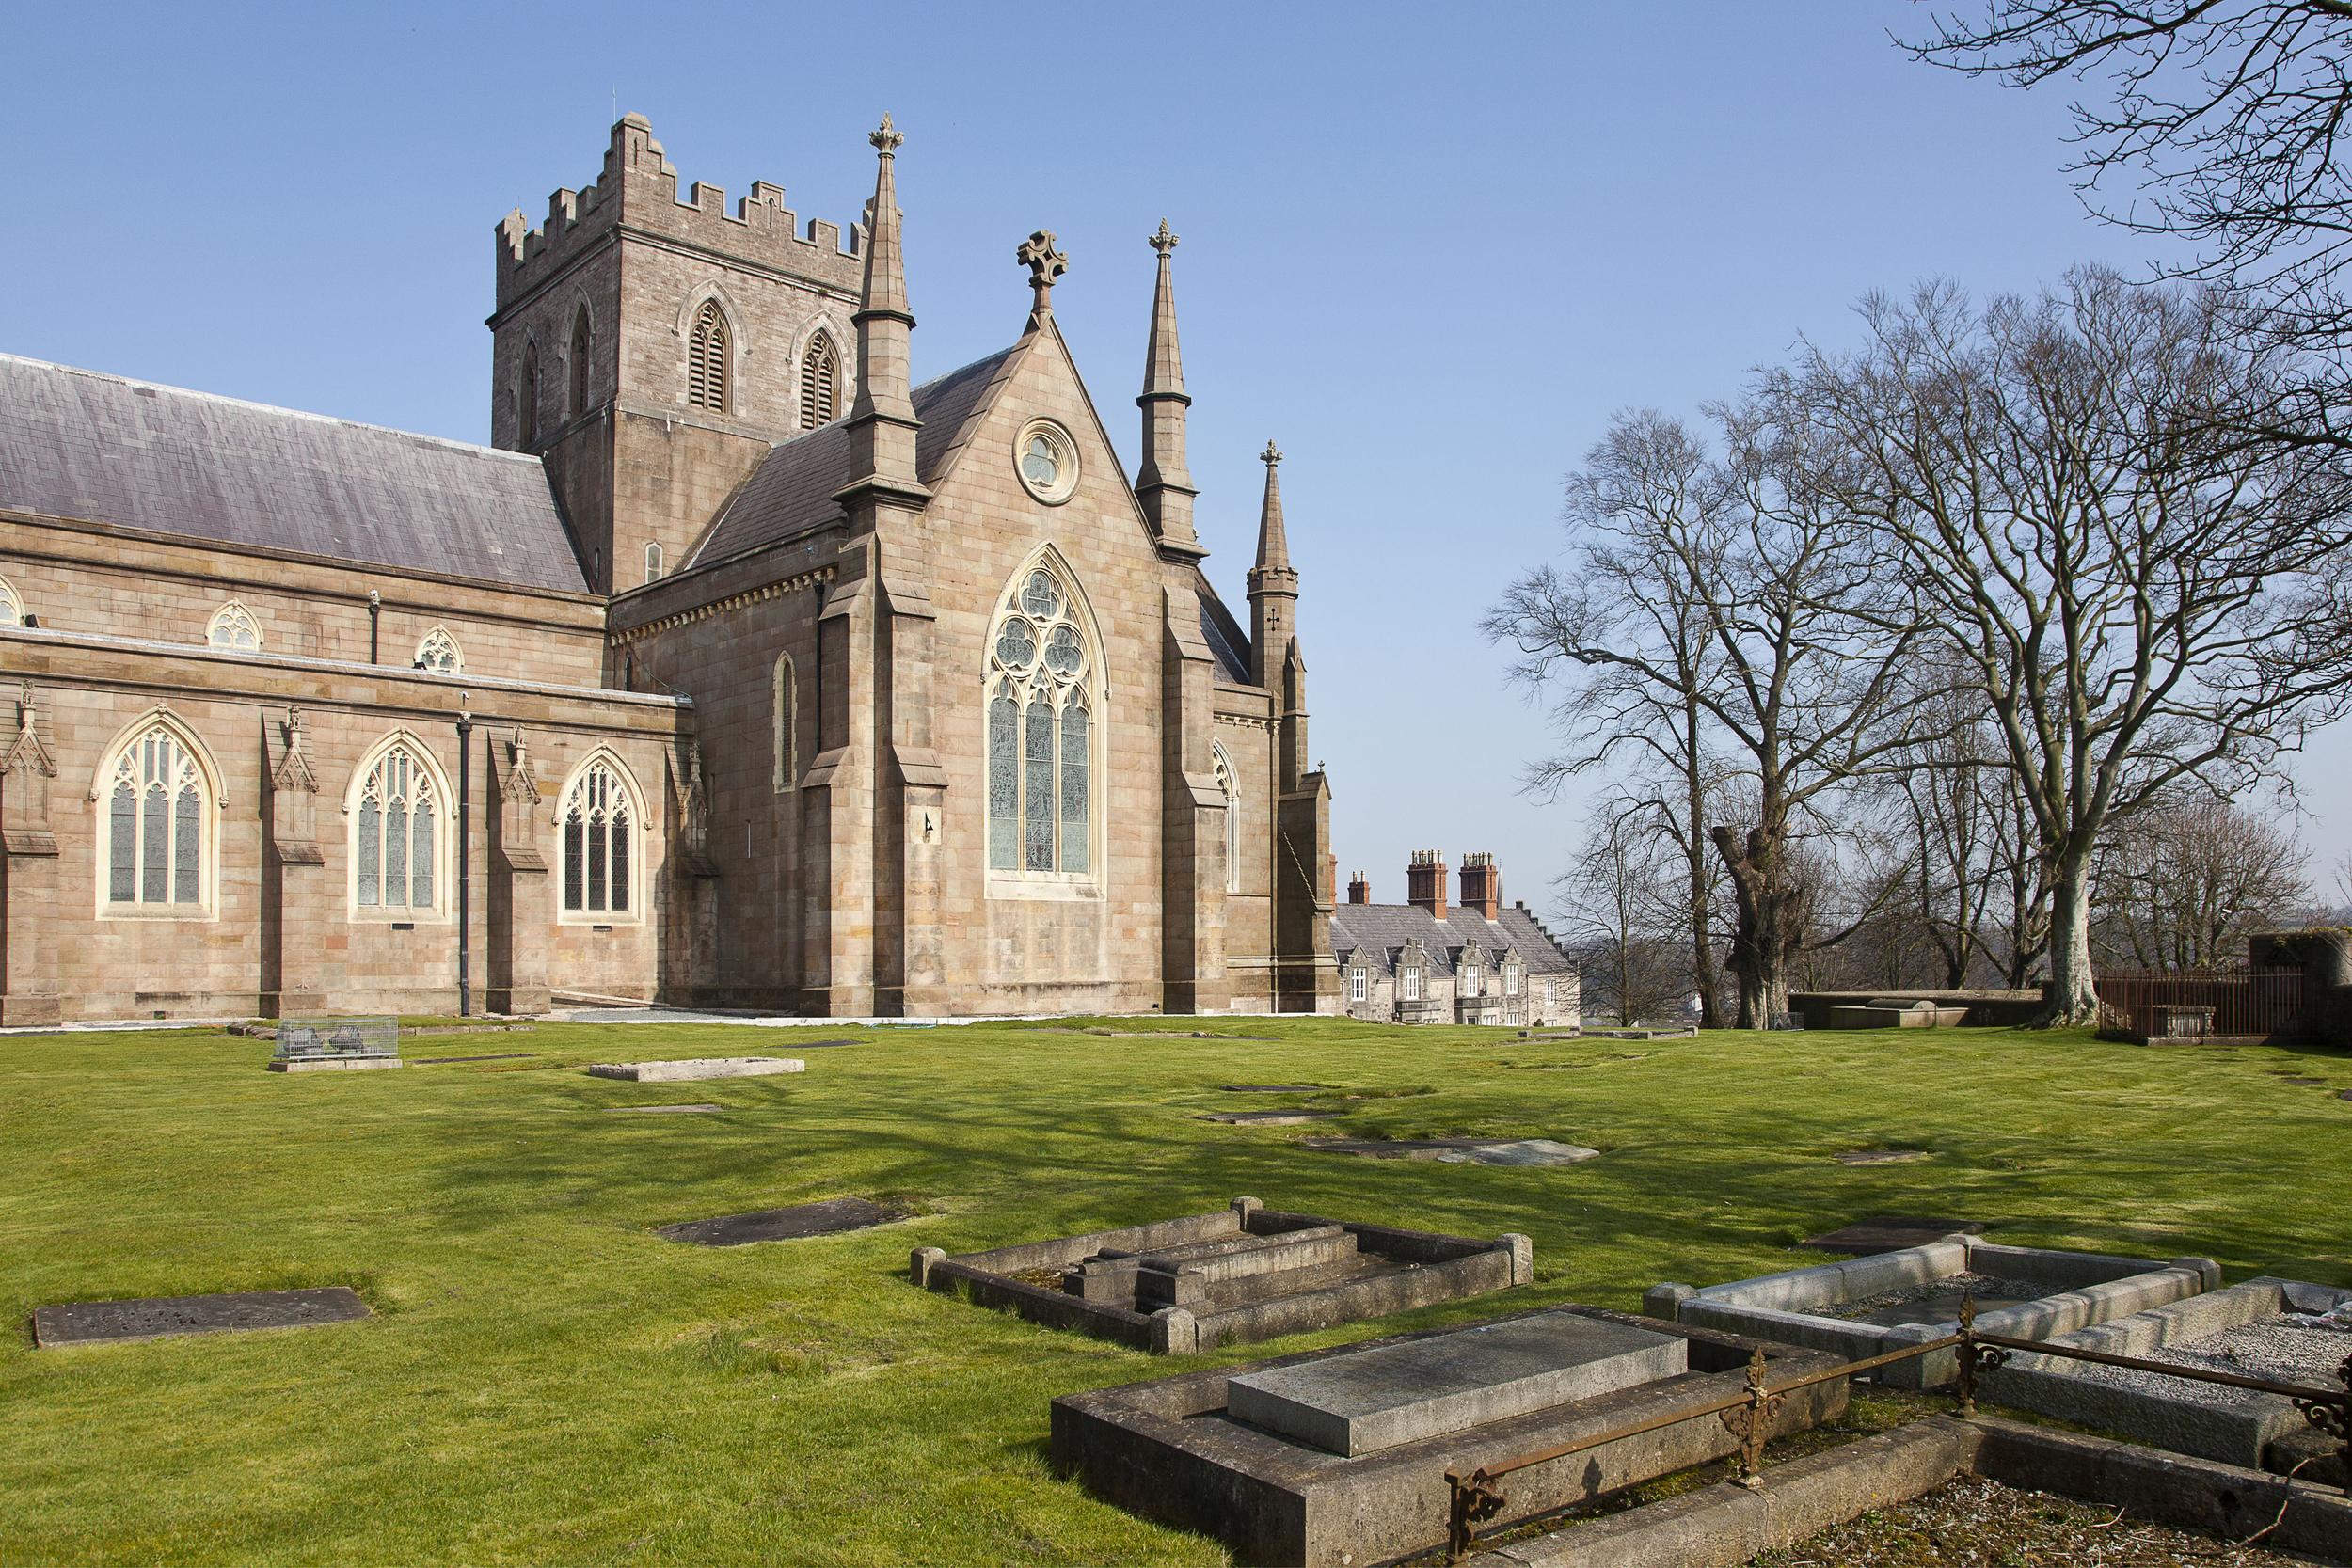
(548, 1382)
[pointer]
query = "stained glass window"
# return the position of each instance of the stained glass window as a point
(1041, 734)
(394, 825)
(599, 822)
(156, 821)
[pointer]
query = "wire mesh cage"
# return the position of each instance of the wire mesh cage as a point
(310, 1038)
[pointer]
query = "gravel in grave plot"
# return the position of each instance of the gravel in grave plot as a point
(1989, 1289)
(1981, 1524)
(2290, 1348)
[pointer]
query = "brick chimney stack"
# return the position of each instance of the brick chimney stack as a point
(1360, 891)
(1424, 881)
(1481, 886)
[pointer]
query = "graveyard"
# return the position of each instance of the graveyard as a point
(588, 1337)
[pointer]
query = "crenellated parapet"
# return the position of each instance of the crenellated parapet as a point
(640, 190)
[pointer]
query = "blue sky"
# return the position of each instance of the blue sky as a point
(1428, 249)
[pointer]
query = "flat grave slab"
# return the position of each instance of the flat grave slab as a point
(80, 1323)
(1479, 1152)
(1888, 1233)
(794, 1223)
(697, 1067)
(697, 1109)
(1379, 1398)
(1176, 1450)
(1245, 1273)
(1271, 1088)
(1263, 1118)
(1880, 1156)
(444, 1061)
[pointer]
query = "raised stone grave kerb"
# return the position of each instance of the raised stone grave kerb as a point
(2236, 1426)
(1177, 1450)
(694, 1069)
(1239, 1275)
(336, 1045)
(1808, 1306)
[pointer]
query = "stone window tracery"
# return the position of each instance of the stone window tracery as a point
(232, 626)
(11, 607)
(599, 842)
(440, 652)
(159, 823)
(1040, 733)
(706, 359)
(820, 382)
(1233, 817)
(395, 834)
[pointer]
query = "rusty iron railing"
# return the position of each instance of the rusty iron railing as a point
(2246, 1002)
(1748, 1416)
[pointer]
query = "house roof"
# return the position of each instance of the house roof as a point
(104, 449)
(794, 485)
(1380, 931)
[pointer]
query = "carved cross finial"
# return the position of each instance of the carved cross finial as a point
(1271, 455)
(887, 139)
(1165, 241)
(1045, 264)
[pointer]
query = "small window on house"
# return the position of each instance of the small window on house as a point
(820, 382)
(575, 365)
(1358, 984)
(599, 843)
(1510, 980)
(526, 398)
(440, 652)
(653, 562)
(233, 626)
(1470, 978)
(706, 359)
(1409, 983)
(786, 710)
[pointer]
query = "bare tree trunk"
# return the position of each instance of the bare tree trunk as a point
(2074, 996)
(1703, 972)
(1769, 929)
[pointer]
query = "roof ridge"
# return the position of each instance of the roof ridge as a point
(474, 448)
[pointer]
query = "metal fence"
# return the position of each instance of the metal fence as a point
(2255, 1002)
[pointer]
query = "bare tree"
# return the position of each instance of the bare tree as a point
(1621, 910)
(1731, 596)
(2138, 596)
(2183, 884)
(2223, 122)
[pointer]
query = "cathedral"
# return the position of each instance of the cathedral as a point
(741, 670)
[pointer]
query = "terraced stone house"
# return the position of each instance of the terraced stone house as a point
(1479, 961)
(740, 669)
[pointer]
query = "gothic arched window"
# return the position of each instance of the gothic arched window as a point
(653, 562)
(576, 366)
(396, 837)
(599, 819)
(820, 382)
(158, 824)
(1041, 697)
(440, 652)
(785, 710)
(706, 359)
(11, 607)
(526, 398)
(232, 626)
(1226, 782)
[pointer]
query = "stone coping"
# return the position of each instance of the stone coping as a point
(1410, 1268)
(1794, 1306)
(1169, 1450)
(2235, 1426)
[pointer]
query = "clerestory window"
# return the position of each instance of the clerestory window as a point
(1041, 703)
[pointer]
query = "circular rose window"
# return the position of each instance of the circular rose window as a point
(1047, 461)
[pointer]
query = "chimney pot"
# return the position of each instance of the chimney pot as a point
(1424, 881)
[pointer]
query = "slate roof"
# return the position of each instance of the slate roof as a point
(1223, 633)
(794, 485)
(1381, 931)
(101, 449)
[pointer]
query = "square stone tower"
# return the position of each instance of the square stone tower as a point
(652, 350)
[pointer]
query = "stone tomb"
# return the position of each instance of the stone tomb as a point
(1242, 1273)
(1887, 1233)
(2278, 1329)
(1461, 1151)
(1871, 1305)
(1254, 1455)
(1287, 1117)
(697, 1067)
(825, 1218)
(82, 1323)
(336, 1045)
